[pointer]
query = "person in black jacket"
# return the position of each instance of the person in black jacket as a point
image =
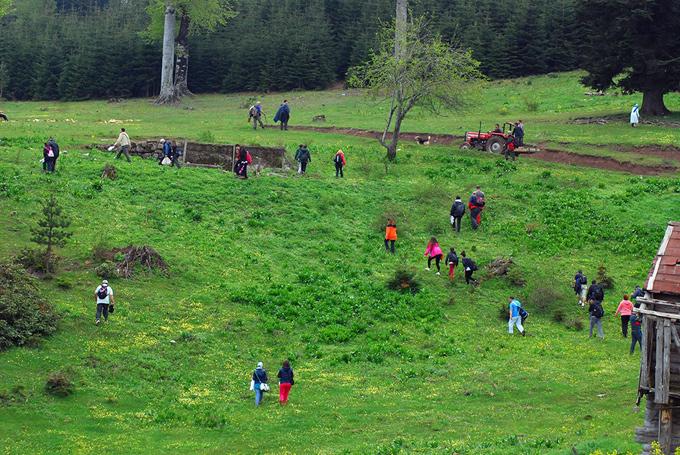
(596, 312)
(259, 383)
(595, 292)
(470, 267)
(50, 154)
(457, 212)
(286, 381)
(303, 157)
(452, 261)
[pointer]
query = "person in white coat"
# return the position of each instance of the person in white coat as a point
(635, 116)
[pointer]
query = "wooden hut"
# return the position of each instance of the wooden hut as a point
(660, 359)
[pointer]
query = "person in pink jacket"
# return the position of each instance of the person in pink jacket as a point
(433, 251)
(625, 309)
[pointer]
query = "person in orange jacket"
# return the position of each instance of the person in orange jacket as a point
(340, 163)
(390, 235)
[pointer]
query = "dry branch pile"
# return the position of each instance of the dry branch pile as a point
(143, 256)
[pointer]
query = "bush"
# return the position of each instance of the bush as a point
(64, 283)
(576, 324)
(404, 281)
(106, 270)
(109, 172)
(543, 298)
(24, 313)
(603, 279)
(33, 260)
(559, 315)
(58, 385)
(503, 313)
(515, 276)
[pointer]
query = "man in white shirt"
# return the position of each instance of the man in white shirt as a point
(124, 142)
(103, 295)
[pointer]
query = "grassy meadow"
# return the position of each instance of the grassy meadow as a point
(280, 267)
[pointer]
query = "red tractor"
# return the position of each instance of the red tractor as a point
(494, 141)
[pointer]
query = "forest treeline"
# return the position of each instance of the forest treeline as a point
(79, 49)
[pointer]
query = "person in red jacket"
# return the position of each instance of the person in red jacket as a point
(390, 235)
(340, 163)
(243, 159)
(476, 205)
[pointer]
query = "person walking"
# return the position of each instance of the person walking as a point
(175, 154)
(124, 143)
(255, 114)
(635, 116)
(103, 296)
(515, 318)
(340, 163)
(580, 282)
(259, 383)
(167, 151)
(457, 212)
(635, 332)
(518, 133)
(48, 158)
(596, 312)
(302, 156)
(476, 205)
(452, 261)
(469, 266)
(625, 309)
(54, 147)
(243, 160)
(283, 115)
(390, 235)
(433, 251)
(286, 381)
(595, 292)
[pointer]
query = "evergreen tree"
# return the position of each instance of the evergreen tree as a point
(51, 230)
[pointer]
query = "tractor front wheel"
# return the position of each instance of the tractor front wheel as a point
(495, 144)
(465, 146)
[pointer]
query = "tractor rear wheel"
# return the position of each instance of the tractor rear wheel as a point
(495, 144)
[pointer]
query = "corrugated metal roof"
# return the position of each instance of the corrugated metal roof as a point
(664, 277)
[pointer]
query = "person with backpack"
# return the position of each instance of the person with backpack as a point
(515, 318)
(390, 235)
(259, 383)
(340, 163)
(580, 282)
(255, 114)
(302, 156)
(175, 154)
(625, 309)
(243, 160)
(596, 312)
(595, 292)
(103, 296)
(470, 267)
(635, 331)
(457, 212)
(54, 148)
(476, 205)
(286, 381)
(452, 261)
(124, 142)
(48, 158)
(433, 251)
(283, 115)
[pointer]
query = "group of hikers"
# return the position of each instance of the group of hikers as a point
(259, 382)
(50, 155)
(255, 114)
(475, 204)
(594, 295)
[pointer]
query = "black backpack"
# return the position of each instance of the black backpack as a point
(598, 293)
(523, 313)
(584, 280)
(598, 311)
(103, 293)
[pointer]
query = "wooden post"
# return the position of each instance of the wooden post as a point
(186, 146)
(666, 372)
(233, 156)
(645, 363)
(666, 430)
(658, 360)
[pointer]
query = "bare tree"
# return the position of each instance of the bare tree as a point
(168, 94)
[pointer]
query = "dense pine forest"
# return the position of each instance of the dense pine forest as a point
(81, 49)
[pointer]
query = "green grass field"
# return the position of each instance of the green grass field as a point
(286, 267)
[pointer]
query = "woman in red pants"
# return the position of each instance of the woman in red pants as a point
(286, 381)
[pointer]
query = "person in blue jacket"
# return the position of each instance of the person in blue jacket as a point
(167, 151)
(283, 115)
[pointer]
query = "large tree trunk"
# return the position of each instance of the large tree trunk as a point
(182, 52)
(168, 95)
(652, 103)
(394, 142)
(400, 27)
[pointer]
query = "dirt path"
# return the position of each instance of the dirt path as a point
(553, 156)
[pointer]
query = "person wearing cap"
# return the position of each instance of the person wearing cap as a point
(255, 114)
(256, 384)
(103, 295)
(167, 151)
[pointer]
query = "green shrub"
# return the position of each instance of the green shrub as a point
(559, 315)
(404, 281)
(33, 260)
(603, 279)
(24, 312)
(515, 276)
(59, 385)
(63, 282)
(575, 323)
(543, 298)
(106, 270)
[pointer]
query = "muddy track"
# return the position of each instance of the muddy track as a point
(553, 156)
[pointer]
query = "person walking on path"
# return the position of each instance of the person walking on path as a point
(54, 147)
(124, 143)
(175, 154)
(167, 151)
(635, 116)
(255, 114)
(595, 292)
(457, 212)
(625, 309)
(259, 383)
(433, 251)
(596, 312)
(243, 160)
(340, 163)
(390, 236)
(48, 158)
(470, 267)
(302, 156)
(286, 381)
(518, 133)
(635, 332)
(452, 261)
(515, 318)
(103, 295)
(580, 283)
(476, 205)
(283, 115)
